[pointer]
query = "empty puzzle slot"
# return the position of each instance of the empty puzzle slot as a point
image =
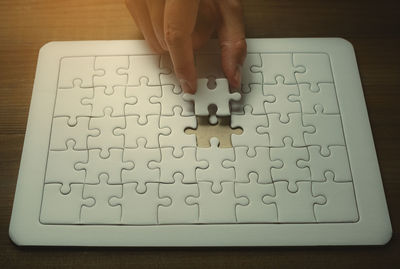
(221, 130)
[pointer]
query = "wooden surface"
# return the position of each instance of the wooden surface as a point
(372, 27)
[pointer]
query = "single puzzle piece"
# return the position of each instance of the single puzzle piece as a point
(260, 164)
(101, 212)
(337, 162)
(295, 207)
(134, 130)
(110, 77)
(277, 64)
(317, 68)
(328, 132)
(254, 98)
(216, 207)
(215, 172)
(106, 139)
(60, 167)
(325, 96)
(170, 99)
(178, 139)
(139, 208)
(59, 208)
(250, 137)
(141, 172)
(209, 65)
(178, 211)
(141, 66)
(220, 96)
(61, 132)
(281, 104)
(256, 210)
(69, 102)
(341, 204)
(96, 165)
(115, 100)
(143, 107)
(185, 165)
(278, 130)
(81, 68)
(289, 171)
(249, 77)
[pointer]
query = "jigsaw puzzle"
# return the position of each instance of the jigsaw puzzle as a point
(132, 159)
(292, 138)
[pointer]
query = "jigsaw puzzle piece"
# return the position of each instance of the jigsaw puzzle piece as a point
(61, 133)
(141, 172)
(110, 78)
(171, 98)
(250, 137)
(106, 139)
(139, 208)
(215, 173)
(297, 207)
(337, 162)
(329, 131)
(60, 167)
(278, 64)
(278, 130)
(111, 166)
(69, 102)
(254, 98)
(204, 97)
(325, 96)
(143, 107)
(134, 130)
(317, 69)
(341, 204)
(116, 100)
(209, 65)
(59, 208)
(255, 210)
(82, 68)
(248, 76)
(178, 139)
(216, 207)
(289, 171)
(281, 104)
(260, 164)
(185, 165)
(101, 212)
(141, 66)
(178, 211)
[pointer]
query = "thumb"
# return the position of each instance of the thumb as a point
(232, 40)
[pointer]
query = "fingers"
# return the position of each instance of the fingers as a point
(206, 22)
(156, 11)
(140, 14)
(178, 29)
(232, 40)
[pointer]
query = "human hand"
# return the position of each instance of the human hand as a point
(181, 26)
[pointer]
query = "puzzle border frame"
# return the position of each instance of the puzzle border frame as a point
(374, 223)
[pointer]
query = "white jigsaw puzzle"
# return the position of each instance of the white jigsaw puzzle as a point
(118, 160)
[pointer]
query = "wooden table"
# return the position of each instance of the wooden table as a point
(373, 28)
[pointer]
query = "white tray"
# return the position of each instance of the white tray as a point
(352, 211)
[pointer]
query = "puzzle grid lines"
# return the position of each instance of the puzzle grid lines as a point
(118, 152)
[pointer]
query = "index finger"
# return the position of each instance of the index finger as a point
(179, 22)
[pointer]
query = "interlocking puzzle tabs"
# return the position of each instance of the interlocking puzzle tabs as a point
(125, 145)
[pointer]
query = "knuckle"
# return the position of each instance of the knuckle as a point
(173, 35)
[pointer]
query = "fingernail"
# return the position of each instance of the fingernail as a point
(238, 76)
(186, 86)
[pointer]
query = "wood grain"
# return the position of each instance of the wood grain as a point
(372, 27)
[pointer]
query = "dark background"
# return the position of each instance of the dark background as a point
(372, 26)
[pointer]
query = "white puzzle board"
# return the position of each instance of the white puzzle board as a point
(106, 161)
